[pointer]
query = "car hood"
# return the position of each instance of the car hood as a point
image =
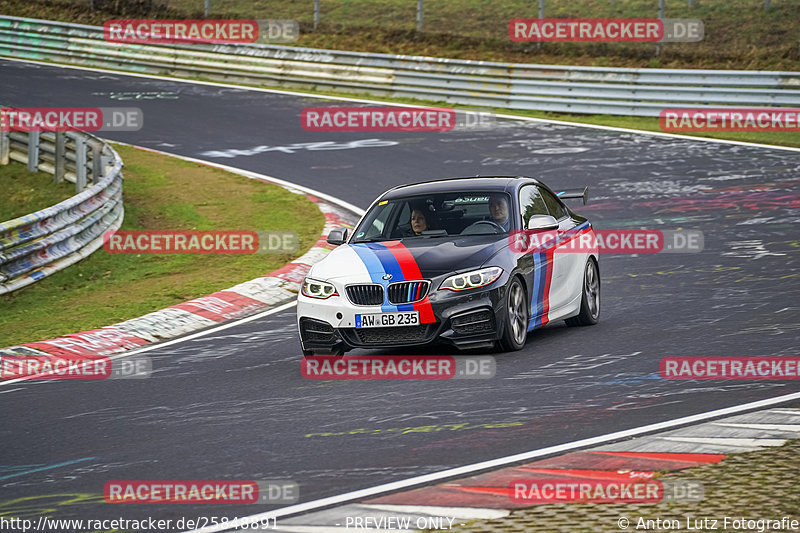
(408, 259)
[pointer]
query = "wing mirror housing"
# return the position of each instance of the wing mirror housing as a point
(542, 222)
(338, 236)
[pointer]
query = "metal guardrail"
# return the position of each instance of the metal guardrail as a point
(569, 89)
(44, 242)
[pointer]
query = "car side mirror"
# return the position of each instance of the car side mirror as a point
(542, 222)
(338, 236)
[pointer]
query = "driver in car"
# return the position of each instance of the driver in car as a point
(498, 209)
(418, 222)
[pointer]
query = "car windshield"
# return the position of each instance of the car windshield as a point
(437, 215)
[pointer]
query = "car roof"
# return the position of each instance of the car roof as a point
(482, 183)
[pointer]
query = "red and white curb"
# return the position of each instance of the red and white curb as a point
(265, 292)
(488, 496)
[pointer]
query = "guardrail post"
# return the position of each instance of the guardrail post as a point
(106, 160)
(419, 15)
(33, 151)
(316, 14)
(541, 16)
(661, 18)
(4, 147)
(80, 163)
(60, 157)
(97, 162)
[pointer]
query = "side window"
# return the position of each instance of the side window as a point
(554, 206)
(531, 203)
(375, 224)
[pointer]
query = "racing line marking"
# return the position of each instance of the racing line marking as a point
(39, 469)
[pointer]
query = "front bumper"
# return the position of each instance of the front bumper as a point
(467, 319)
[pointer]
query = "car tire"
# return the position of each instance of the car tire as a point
(590, 297)
(516, 310)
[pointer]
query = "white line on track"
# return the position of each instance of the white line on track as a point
(370, 101)
(727, 441)
(255, 175)
(501, 461)
(189, 337)
(767, 427)
(248, 174)
(791, 413)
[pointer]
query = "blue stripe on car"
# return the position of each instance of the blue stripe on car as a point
(391, 266)
(378, 265)
(537, 302)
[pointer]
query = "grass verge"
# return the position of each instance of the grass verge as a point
(160, 193)
(26, 192)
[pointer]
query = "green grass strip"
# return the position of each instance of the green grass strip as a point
(160, 193)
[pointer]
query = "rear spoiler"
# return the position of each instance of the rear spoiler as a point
(575, 193)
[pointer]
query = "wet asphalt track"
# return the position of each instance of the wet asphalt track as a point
(233, 405)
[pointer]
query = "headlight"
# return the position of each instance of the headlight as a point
(471, 280)
(318, 289)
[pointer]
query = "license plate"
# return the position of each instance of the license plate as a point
(384, 320)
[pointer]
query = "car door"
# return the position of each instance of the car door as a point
(568, 258)
(540, 246)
